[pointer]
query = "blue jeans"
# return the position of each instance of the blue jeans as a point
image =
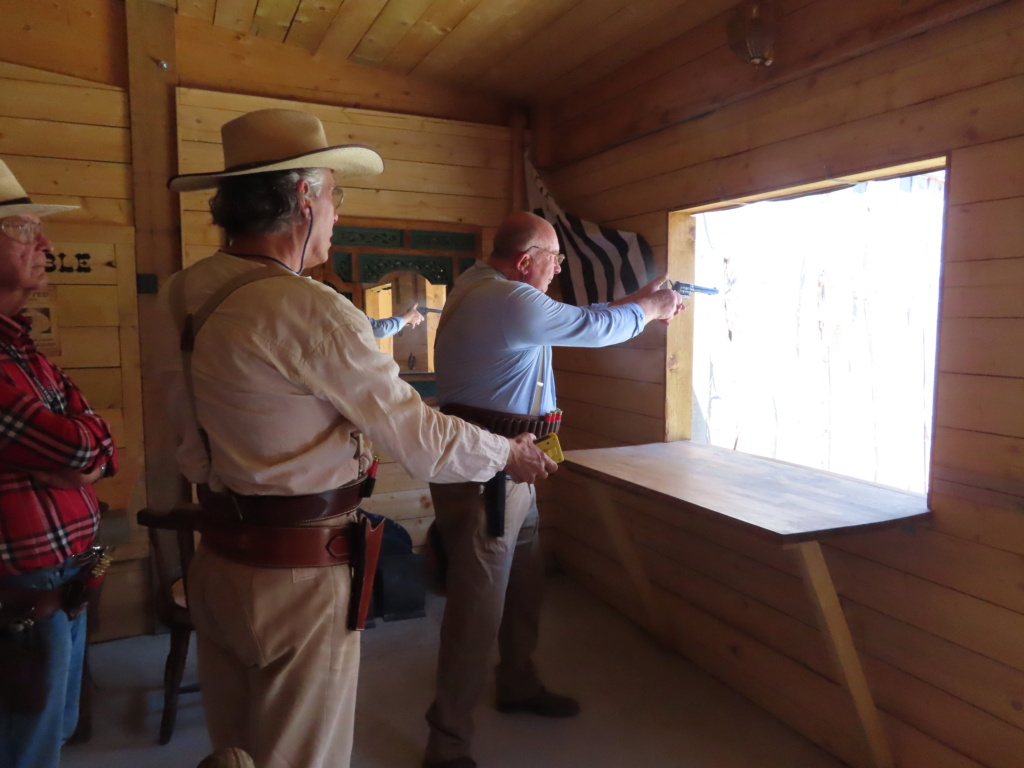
(35, 740)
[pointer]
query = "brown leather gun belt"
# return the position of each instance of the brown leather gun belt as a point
(24, 606)
(357, 543)
(275, 531)
(282, 510)
(274, 547)
(35, 604)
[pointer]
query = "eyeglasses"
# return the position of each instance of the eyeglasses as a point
(22, 230)
(559, 257)
(338, 196)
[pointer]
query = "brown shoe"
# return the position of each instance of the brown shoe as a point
(544, 704)
(465, 761)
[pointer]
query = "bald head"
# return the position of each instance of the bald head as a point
(518, 232)
(526, 250)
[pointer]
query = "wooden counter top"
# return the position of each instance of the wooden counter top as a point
(784, 502)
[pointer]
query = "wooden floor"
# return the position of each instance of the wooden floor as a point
(641, 706)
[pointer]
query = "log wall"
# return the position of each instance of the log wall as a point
(937, 611)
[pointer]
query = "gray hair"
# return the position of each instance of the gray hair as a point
(262, 203)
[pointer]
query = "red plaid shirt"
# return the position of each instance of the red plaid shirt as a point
(45, 424)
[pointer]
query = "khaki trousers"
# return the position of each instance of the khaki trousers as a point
(494, 588)
(277, 664)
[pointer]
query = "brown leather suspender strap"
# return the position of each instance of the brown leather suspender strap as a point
(189, 324)
(200, 316)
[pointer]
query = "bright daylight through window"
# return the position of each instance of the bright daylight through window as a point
(819, 349)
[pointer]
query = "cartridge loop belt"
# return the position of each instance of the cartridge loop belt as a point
(502, 423)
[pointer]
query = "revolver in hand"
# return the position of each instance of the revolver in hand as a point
(687, 289)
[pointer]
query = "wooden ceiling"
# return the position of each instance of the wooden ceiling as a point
(526, 50)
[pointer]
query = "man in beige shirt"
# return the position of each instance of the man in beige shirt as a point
(286, 379)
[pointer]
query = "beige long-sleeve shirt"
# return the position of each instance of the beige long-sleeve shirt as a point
(286, 374)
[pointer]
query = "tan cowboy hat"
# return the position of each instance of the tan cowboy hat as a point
(279, 140)
(14, 201)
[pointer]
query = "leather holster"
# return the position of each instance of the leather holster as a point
(364, 552)
(494, 505)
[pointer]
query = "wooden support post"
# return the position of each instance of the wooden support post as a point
(678, 394)
(152, 77)
(541, 138)
(844, 653)
(518, 125)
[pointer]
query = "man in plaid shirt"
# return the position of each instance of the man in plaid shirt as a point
(52, 449)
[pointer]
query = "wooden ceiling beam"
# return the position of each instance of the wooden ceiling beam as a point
(215, 59)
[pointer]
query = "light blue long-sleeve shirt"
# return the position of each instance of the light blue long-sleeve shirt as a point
(385, 327)
(492, 349)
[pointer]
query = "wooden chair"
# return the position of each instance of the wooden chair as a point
(170, 531)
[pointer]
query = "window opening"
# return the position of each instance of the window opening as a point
(820, 348)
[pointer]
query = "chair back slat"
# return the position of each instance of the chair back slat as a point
(172, 546)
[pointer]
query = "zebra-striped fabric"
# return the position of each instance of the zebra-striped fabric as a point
(601, 264)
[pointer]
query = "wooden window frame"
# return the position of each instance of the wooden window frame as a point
(682, 263)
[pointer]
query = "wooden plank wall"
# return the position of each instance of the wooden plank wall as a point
(937, 612)
(434, 170)
(81, 38)
(67, 141)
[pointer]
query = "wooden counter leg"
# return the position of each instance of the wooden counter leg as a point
(844, 653)
(659, 624)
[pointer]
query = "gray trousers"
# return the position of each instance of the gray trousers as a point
(494, 587)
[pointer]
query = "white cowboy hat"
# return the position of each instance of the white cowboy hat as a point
(279, 140)
(14, 201)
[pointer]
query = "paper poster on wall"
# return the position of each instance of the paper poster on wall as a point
(41, 309)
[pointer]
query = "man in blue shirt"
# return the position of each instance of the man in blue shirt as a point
(389, 326)
(493, 366)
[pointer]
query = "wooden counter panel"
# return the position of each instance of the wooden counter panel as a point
(782, 501)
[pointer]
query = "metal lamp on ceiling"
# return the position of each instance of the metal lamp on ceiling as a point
(751, 32)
